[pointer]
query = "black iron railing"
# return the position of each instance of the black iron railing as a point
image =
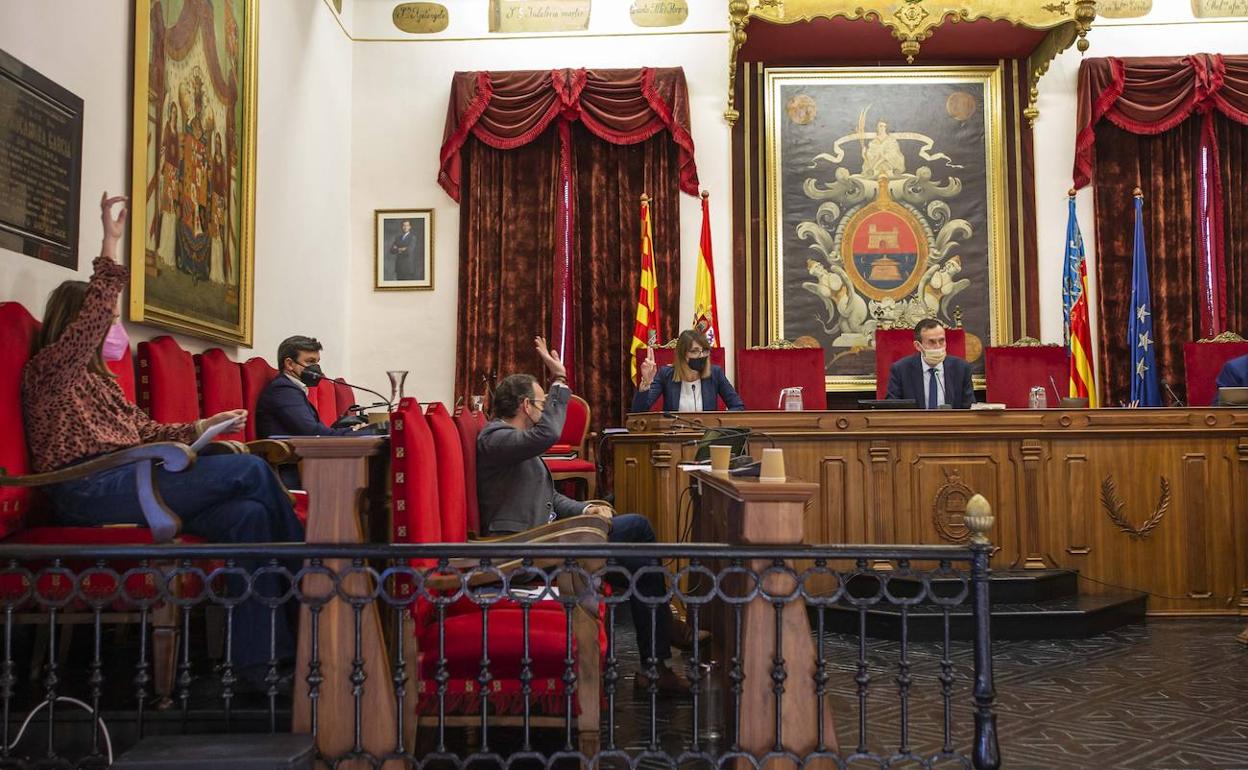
(504, 655)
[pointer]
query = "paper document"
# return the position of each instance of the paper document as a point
(210, 434)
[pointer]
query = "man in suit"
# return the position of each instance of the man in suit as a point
(515, 493)
(1234, 374)
(403, 249)
(283, 408)
(929, 376)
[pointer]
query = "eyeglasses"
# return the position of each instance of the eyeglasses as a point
(539, 403)
(699, 353)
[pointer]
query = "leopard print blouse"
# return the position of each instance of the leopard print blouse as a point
(72, 412)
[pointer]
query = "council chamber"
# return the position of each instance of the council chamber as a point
(797, 383)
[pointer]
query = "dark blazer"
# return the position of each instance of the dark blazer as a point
(1234, 374)
(514, 489)
(906, 380)
(283, 409)
(666, 385)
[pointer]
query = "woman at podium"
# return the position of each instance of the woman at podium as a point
(690, 384)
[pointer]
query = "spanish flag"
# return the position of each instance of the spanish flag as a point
(1079, 332)
(705, 309)
(646, 323)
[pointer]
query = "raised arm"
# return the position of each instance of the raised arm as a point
(650, 387)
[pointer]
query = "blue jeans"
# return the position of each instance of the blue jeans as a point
(221, 498)
(635, 528)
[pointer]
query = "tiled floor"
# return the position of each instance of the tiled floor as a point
(1169, 694)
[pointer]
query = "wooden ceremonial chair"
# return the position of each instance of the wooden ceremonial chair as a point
(892, 345)
(1012, 371)
(1203, 361)
(428, 454)
(573, 441)
(25, 519)
(762, 373)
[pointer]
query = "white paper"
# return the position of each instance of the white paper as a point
(212, 432)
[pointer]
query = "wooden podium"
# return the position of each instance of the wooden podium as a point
(750, 512)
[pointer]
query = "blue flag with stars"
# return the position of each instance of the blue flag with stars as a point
(1144, 388)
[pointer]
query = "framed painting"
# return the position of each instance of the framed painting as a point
(887, 205)
(194, 159)
(403, 249)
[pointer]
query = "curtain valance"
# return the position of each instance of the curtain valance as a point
(505, 110)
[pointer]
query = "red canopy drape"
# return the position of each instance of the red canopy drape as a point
(1149, 96)
(506, 110)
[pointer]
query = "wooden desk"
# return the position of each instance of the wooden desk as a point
(335, 472)
(749, 512)
(1152, 499)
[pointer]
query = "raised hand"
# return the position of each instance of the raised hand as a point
(648, 369)
(114, 226)
(550, 357)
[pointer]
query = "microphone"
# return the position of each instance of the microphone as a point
(1057, 393)
(389, 405)
(1177, 401)
(684, 420)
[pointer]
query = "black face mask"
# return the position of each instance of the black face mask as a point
(311, 375)
(697, 364)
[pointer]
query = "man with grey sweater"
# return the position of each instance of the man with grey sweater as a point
(515, 493)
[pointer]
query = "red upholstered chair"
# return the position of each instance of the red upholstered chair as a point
(344, 396)
(23, 520)
(421, 445)
(124, 369)
(220, 387)
(892, 345)
(256, 374)
(664, 356)
(468, 425)
(573, 441)
(325, 398)
(1203, 361)
(167, 389)
(763, 372)
(1013, 370)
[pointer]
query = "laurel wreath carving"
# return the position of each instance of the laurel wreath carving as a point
(1115, 507)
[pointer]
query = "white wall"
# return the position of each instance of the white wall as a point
(400, 95)
(303, 159)
(1153, 35)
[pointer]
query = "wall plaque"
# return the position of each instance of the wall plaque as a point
(658, 13)
(539, 15)
(40, 165)
(420, 18)
(1219, 9)
(1123, 9)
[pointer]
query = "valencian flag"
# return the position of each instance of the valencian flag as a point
(705, 309)
(646, 325)
(1144, 389)
(1075, 312)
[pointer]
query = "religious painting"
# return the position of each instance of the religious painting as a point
(886, 198)
(193, 184)
(403, 249)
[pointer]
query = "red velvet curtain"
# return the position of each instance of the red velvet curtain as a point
(644, 112)
(610, 181)
(1133, 130)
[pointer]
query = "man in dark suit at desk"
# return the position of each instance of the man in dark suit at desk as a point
(283, 408)
(1234, 374)
(930, 377)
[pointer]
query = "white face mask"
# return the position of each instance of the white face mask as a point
(933, 356)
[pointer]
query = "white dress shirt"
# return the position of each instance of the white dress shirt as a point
(691, 396)
(940, 382)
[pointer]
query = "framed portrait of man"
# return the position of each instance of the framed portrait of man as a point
(403, 257)
(885, 188)
(192, 219)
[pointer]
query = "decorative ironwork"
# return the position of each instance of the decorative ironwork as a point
(1116, 508)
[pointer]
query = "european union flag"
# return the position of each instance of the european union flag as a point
(1072, 285)
(1140, 329)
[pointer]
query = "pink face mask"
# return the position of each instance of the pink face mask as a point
(116, 343)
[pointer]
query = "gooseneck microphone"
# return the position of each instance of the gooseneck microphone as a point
(1056, 393)
(389, 405)
(1177, 401)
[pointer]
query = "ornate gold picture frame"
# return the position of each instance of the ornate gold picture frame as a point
(885, 204)
(402, 249)
(192, 215)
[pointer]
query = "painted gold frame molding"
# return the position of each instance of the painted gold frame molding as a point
(913, 21)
